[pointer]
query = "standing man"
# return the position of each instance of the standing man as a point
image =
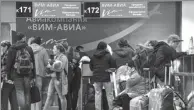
(164, 54)
(41, 60)
(8, 91)
(69, 54)
(20, 69)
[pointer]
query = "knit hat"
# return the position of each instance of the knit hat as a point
(102, 46)
(37, 40)
(19, 36)
(123, 43)
(78, 48)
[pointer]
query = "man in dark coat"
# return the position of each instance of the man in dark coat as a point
(76, 80)
(123, 54)
(164, 54)
(100, 62)
(22, 83)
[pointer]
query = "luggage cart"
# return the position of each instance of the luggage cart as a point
(186, 73)
(86, 76)
(113, 71)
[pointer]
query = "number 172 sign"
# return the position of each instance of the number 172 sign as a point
(91, 9)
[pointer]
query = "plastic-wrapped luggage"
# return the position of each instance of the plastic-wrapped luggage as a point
(139, 103)
(162, 98)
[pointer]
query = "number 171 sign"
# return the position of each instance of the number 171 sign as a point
(23, 9)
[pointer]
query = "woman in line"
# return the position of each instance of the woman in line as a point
(58, 77)
(100, 62)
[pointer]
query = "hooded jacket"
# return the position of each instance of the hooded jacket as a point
(9, 69)
(123, 56)
(41, 59)
(100, 62)
(164, 55)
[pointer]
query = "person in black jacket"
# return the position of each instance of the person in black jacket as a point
(8, 89)
(69, 53)
(76, 80)
(164, 54)
(123, 54)
(22, 83)
(100, 62)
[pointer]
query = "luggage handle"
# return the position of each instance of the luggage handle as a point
(167, 69)
(148, 69)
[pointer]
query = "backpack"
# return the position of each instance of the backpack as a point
(23, 63)
(144, 59)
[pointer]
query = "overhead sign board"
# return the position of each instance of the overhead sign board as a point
(57, 9)
(123, 9)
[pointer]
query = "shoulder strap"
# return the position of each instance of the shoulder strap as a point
(18, 52)
(4, 54)
(69, 49)
(65, 71)
(25, 50)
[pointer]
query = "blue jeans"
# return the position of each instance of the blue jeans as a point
(8, 92)
(55, 85)
(98, 94)
(22, 86)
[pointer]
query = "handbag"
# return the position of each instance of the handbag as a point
(35, 94)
